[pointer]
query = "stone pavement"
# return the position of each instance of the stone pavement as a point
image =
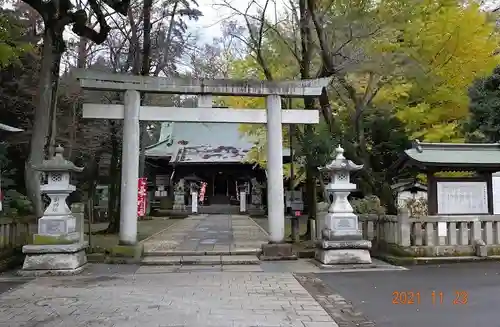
(208, 234)
(204, 299)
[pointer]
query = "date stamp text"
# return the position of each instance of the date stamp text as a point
(458, 297)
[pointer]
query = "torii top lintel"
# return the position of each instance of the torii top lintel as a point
(94, 80)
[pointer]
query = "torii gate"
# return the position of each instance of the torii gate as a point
(131, 112)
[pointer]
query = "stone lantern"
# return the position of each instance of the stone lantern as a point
(57, 247)
(341, 241)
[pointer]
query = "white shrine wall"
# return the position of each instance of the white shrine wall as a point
(496, 193)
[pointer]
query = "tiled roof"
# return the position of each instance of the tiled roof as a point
(8, 128)
(201, 143)
(455, 154)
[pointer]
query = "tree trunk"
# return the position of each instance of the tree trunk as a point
(311, 200)
(146, 53)
(53, 105)
(114, 184)
(80, 63)
(41, 123)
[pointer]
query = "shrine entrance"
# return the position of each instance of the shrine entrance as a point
(132, 113)
(220, 188)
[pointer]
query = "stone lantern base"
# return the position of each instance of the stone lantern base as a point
(54, 260)
(344, 252)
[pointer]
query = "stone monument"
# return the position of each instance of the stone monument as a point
(341, 241)
(58, 247)
(179, 196)
(256, 193)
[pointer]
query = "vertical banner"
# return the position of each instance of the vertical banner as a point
(142, 196)
(202, 192)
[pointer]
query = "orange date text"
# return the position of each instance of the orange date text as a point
(433, 297)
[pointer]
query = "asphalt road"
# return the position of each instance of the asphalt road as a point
(465, 295)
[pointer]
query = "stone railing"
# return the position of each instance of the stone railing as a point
(15, 232)
(434, 235)
(375, 227)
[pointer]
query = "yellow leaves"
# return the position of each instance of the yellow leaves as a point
(393, 93)
(449, 44)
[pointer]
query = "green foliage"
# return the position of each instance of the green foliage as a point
(16, 204)
(416, 207)
(484, 122)
(12, 45)
(318, 146)
(368, 205)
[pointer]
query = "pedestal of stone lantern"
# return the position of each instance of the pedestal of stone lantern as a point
(58, 247)
(341, 241)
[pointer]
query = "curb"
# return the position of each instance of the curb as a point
(260, 227)
(431, 260)
(200, 261)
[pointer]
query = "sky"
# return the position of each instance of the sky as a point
(209, 26)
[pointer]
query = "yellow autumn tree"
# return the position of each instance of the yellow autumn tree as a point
(445, 45)
(282, 66)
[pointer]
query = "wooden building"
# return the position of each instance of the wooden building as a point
(408, 189)
(471, 195)
(210, 153)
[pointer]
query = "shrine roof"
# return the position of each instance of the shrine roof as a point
(8, 128)
(454, 155)
(202, 143)
(407, 184)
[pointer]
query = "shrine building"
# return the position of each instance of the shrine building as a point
(213, 154)
(475, 192)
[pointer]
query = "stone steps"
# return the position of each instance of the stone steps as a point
(180, 253)
(206, 260)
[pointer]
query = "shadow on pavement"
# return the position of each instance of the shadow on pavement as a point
(7, 286)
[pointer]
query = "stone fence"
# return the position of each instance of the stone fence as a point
(433, 235)
(14, 233)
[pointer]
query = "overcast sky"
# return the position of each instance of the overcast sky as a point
(209, 26)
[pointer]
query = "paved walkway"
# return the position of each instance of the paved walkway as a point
(208, 234)
(153, 300)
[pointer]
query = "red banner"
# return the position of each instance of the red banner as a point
(142, 196)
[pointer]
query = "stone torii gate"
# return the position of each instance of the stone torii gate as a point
(131, 112)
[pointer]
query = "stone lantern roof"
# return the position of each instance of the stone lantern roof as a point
(340, 163)
(58, 163)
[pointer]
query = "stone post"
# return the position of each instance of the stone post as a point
(78, 210)
(130, 169)
(194, 202)
(243, 198)
(58, 248)
(193, 188)
(403, 237)
(341, 242)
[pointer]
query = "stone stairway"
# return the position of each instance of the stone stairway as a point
(207, 240)
(205, 260)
